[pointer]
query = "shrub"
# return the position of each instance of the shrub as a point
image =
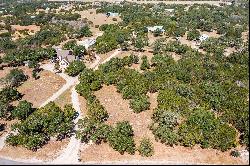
(97, 112)
(2, 127)
(235, 153)
(202, 127)
(121, 138)
(139, 103)
(114, 19)
(15, 78)
(45, 122)
(23, 110)
(75, 68)
(165, 135)
(169, 100)
(193, 35)
(9, 94)
(4, 109)
(70, 45)
(134, 58)
(86, 129)
(165, 118)
(84, 89)
(146, 148)
(145, 64)
(101, 134)
(84, 32)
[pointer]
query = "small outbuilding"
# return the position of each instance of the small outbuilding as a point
(111, 14)
(203, 37)
(87, 43)
(154, 28)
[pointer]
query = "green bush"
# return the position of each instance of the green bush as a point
(164, 134)
(15, 78)
(145, 64)
(139, 103)
(193, 35)
(91, 130)
(5, 108)
(38, 127)
(101, 134)
(75, 68)
(23, 110)
(70, 45)
(165, 118)
(202, 127)
(97, 112)
(84, 32)
(9, 94)
(235, 153)
(121, 138)
(146, 148)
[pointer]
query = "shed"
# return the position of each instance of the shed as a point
(154, 28)
(87, 43)
(203, 37)
(111, 14)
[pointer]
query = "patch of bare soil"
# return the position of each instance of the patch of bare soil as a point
(245, 36)
(229, 50)
(47, 152)
(210, 34)
(106, 55)
(37, 91)
(7, 126)
(31, 30)
(119, 110)
(147, 52)
(83, 105)
(152, 38)
(97, 18)
(2, 55)
(34, 28)
(64, 98)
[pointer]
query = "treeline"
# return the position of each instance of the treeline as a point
(203, 90)
(35, 126)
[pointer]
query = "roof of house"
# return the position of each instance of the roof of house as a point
(87, 43)
(65, 54)
(169, 10)
(203, 37)
(112, 14)
(153, 28)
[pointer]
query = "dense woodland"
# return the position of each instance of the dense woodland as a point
(202, 98)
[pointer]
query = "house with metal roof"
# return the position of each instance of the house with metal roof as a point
(203, 37)
(154, 28)
(111, 14)
(65, 57)
(86, 43)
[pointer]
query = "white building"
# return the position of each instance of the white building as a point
(154, 28)
(169, 10)
(86, 43)
(111, 14)
(203, 37)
